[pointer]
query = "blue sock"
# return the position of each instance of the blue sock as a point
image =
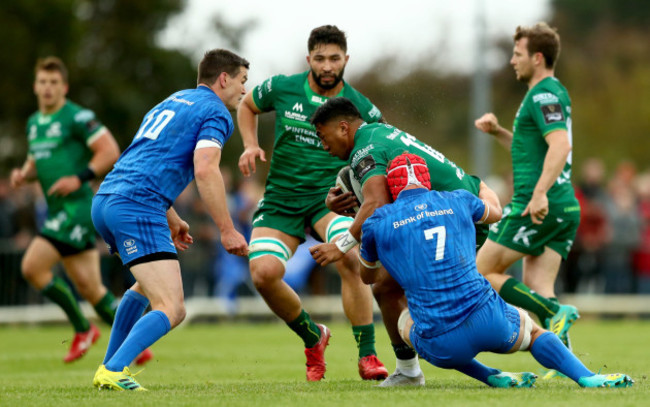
(145, 332)
(128, 313)
(552, 354)
(478, 371)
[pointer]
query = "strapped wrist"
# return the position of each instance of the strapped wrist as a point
(346, 242)
(86, 174)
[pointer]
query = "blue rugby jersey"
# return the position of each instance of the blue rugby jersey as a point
(426, 240)
(159, 163)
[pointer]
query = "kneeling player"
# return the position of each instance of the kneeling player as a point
(425, 240)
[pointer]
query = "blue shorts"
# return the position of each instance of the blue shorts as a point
(138, 232)
(494, 327)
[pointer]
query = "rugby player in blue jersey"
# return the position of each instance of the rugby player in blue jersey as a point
(179, 140)
(426, 241)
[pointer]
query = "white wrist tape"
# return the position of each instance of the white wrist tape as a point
(346, 242)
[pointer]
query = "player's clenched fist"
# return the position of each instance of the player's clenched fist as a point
(487, 123)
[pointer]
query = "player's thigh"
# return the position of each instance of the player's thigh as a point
(494, 257)
(269, 251)
(39, 257)
(160, 281)
(541, 270)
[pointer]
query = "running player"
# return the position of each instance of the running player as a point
(179, 139)
(426, 241)
(541, 222)
(300, 176)
(68, 147)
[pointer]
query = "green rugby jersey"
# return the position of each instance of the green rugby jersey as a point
(58, 143)
(300, 165)
(545, 108)
(378, 143)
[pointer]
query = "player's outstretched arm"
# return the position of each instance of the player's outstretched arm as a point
(247, 121)
(26, 173)
(489, 124)
(213, 193)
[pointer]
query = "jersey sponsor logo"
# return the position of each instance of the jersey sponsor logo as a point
(54, 130)
(552, 113)
(32, 132)
(180, 100)
(523, 236)
(295, 116)
(545, 98)
(420, 207)
(78, 233)
(366, 165)
(84, 116)
(297, 107)
(423, 214)
(130, 246)
(374, 112)
(259, 218)
(565, 177)
(44, 119)
(318, 100)
(359, 154)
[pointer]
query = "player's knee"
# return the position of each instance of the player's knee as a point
(268, 259)
(30, 269)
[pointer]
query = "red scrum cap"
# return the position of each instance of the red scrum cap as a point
(407, 169)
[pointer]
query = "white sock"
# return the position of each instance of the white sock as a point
(409, 367)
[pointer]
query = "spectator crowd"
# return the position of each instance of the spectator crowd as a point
(611, 254)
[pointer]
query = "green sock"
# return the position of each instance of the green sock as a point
(59, 292)
(516, 293)
(365, 337)
(106, 307)
(306, 329)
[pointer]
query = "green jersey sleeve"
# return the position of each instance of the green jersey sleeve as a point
(549, 111)
(85, 126)
(264, 94)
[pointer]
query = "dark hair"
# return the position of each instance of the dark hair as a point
(327, 34)
(541, 38)
(335, 108)
(52, 64)
(216, 61)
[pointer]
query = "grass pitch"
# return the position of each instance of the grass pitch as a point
(243, 364)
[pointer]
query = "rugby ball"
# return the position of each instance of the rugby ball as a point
(348, 183)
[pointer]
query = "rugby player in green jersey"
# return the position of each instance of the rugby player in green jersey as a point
(299, 178)
(68, 147)
(369, 148)
(541, 222)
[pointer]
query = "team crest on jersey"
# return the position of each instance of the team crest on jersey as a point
(552, 113)
(54, 130)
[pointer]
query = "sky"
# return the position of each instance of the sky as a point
(444, 32)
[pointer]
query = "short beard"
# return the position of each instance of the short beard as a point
(337, 79)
